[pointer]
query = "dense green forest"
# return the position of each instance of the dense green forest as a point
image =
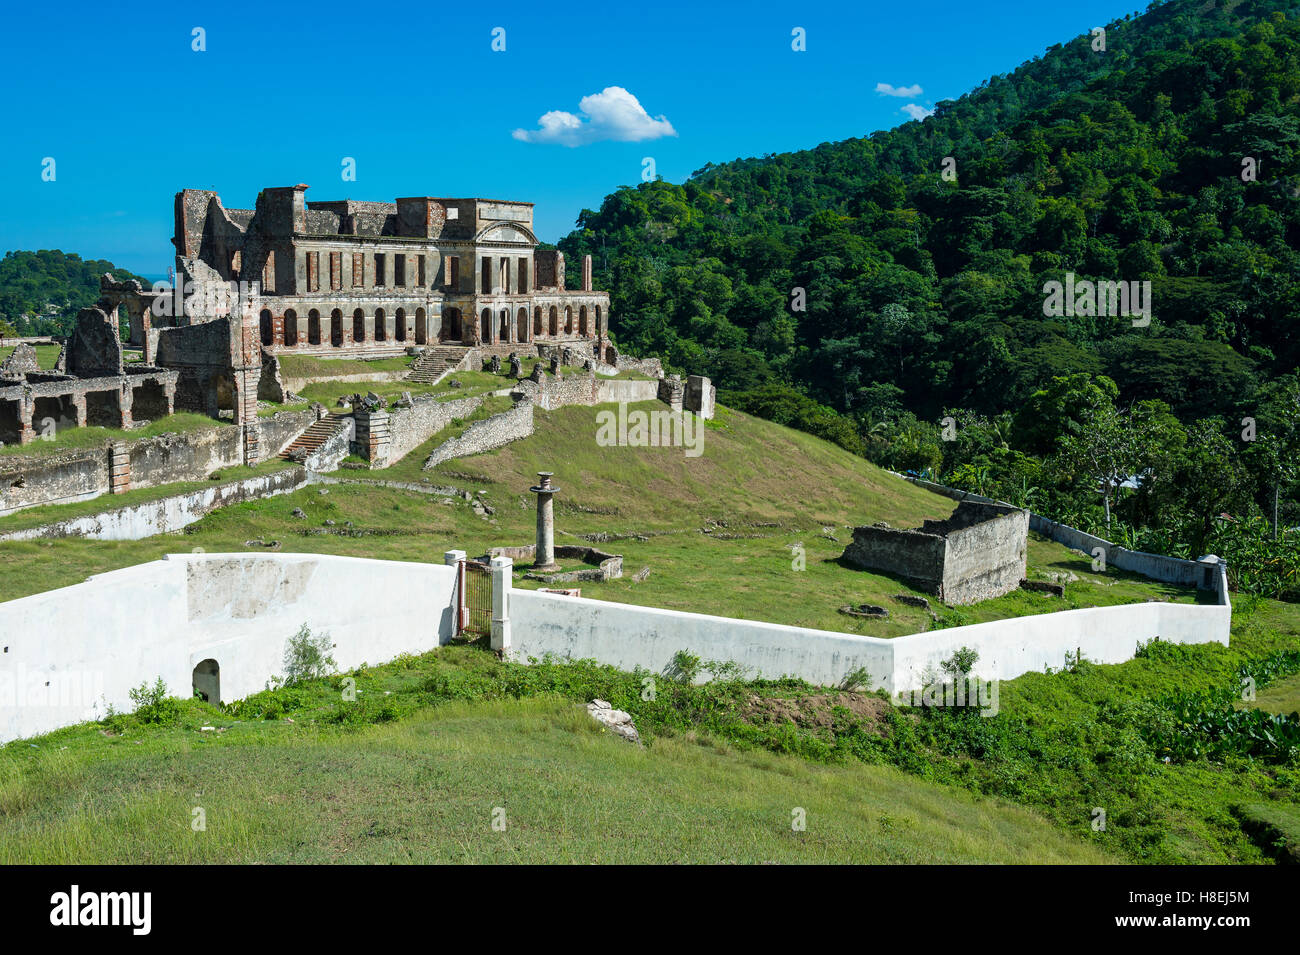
(41, 292)
(857, 291)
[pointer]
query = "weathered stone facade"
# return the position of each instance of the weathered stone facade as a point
(372, 278)
(92, 385)
(978, 553)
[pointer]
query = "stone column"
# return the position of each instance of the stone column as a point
(124, 397)
(501, 586)
(586, 273)
(26, 410)
(545, 555)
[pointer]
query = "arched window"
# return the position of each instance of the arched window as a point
(358, 326)
(336, 327)
(582, 321)
(421, 327)
(537, 321)
(313, 327)
(555, 322)
(290, 327)
(568, 319)
(266, 325)
(521, 325)
(381, 325)
(399, 329)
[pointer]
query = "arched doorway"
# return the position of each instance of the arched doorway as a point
(568, 319)
(336, 327)
(381, 325)
(264, 322)
(421, 331)
(313, 327)
(537, 321)
(207, 682)
(358, 326)
(504, 326)
(290, 327)
(485, 326)
(555, 322)
(582, 321)
(521, 325)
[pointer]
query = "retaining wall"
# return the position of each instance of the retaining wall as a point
(70, 653)
(628, 636)
(487, 434)
(83, 473)
(136, 521)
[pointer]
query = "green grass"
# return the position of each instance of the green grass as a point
(309, 366)
(423, 787)
(1280, 697)
(743, 569)
(46, 355)
(181, 422)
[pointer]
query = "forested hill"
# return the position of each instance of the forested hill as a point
(928, 294)
(41, 292)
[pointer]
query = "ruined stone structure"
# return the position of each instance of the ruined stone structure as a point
(976, 554)
(374, 278)
(90, 385)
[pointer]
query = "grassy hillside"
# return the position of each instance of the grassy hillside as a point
(424, 788)
(717, 531)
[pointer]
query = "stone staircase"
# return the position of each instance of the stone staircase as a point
(315, 436)
(435, 362)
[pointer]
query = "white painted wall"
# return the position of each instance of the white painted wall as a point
(627, 636)
(96, 640)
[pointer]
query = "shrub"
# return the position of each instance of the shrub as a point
(154, 706)
(307, 656)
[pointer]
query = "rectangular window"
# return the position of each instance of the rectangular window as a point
(420, 268)
(336, 270)
(313, 271)
(523, 275)
(380, 268)
(486, 285)
(399, 271)
(358, 269)
(453, 272)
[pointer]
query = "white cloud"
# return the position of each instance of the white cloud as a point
(884, 89)
(917, 112)
(613, 113)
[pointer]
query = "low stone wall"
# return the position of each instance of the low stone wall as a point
(73, 652)
(408, 428)
(84, 473)
(487, 434)
(1170, 570)
(604, 566)
(626, 390)
(136, 521)
(976, 554)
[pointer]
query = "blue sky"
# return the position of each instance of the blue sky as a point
(414, 93)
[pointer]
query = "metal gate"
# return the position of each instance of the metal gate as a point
(478, 599)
